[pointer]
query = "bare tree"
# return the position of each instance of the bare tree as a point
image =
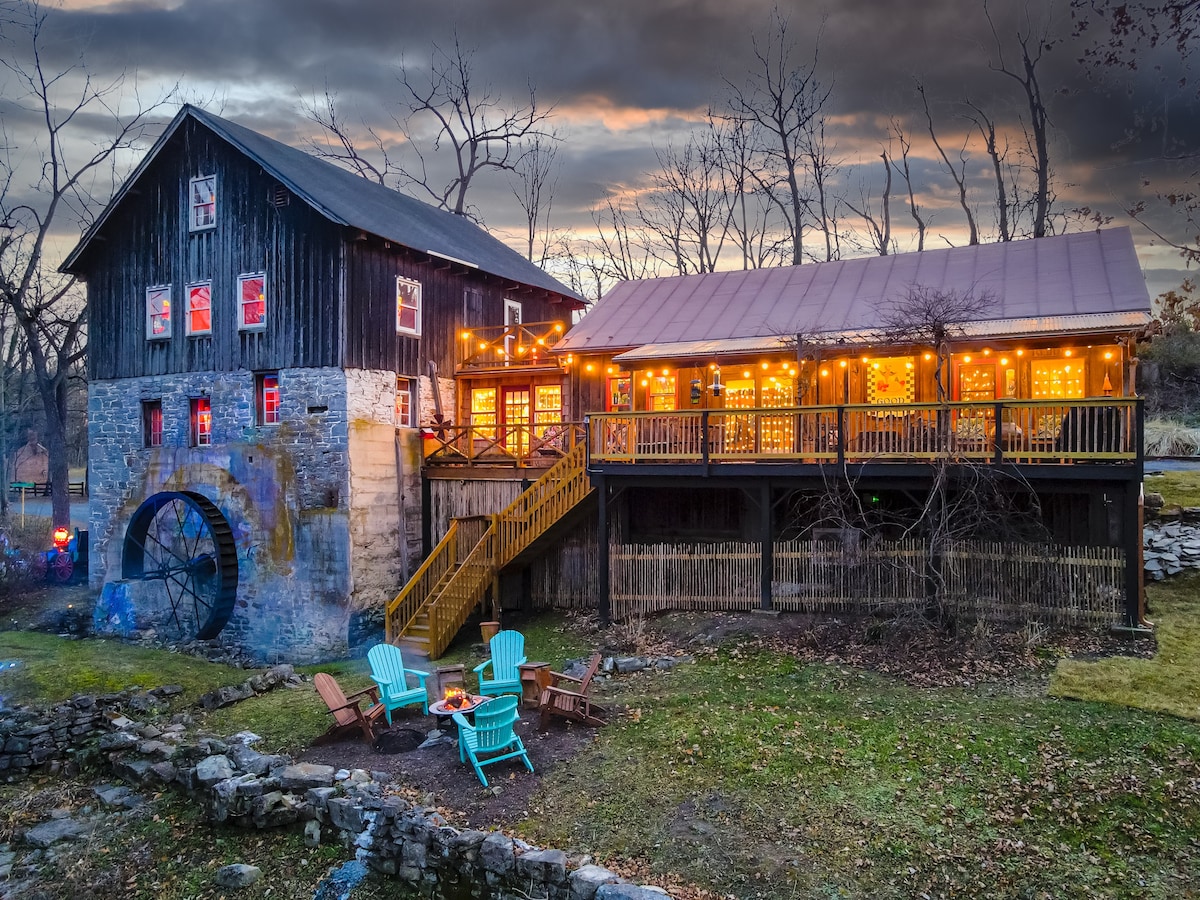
(534, 190)
(48, 308)
(442, 108)
(687, 210)
(780, 99)
(879, 229)
(957, 172)
(823, 167)
(1038, 127)
(931, 318)
(1005, 216)
(750, 206)
(902, 168)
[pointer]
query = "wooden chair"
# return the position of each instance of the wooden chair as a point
(347, 711)
(508, 652)
(569, 703)
(491, 734)
(388, 671)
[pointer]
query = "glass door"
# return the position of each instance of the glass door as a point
(516, 417)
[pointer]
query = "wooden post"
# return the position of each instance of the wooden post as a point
(767, 553)
(1132, 517)
(426, 517)
(604, 602)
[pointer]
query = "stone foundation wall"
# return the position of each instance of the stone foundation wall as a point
(284, 489)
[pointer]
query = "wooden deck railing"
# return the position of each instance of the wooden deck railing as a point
(532, 446)
(509, 346)
(1028, 431)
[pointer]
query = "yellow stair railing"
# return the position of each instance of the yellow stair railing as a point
(435, 603)
(545, 502)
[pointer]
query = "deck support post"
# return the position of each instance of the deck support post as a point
(768, 547)
(426, 517)
(604, 601)
(1132, 518)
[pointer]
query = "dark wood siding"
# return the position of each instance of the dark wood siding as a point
(146, 242)
(372, 341)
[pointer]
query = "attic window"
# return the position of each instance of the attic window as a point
(202, 192)
(280, 196)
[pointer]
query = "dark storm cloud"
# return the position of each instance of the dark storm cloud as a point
(253, 60)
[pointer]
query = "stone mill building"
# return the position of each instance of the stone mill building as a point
(267, 332)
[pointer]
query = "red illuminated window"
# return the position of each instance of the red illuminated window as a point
(199, 311)
(202, 192)
(408, 306)
(201, 422)
(267, 398)
(252, 301)
(152, 423)
(158, 312)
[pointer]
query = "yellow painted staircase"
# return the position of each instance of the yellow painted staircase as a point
(455, 577)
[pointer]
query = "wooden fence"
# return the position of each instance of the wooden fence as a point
(1005, 582)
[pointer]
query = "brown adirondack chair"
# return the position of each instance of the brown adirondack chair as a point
(347, 712)
(568, 697)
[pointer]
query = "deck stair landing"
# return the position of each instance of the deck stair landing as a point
(455, 577)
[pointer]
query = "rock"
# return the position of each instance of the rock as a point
(496, 854)
(312, 834)
(629, 892)
(110, 795)
(587, 879)
(55, 830)
(212, 769)
(238, 875)
(627, 664)
(543, 866)
(302, 776)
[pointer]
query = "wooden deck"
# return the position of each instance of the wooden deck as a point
(1106, 430)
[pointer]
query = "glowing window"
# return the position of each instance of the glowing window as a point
(1053, 379)
(201, 422)
(266, 398)
(408, 306)
(152, 423)
(483, 412)
(404, 402)
(662, 392)
(252, 301)
(199, 309)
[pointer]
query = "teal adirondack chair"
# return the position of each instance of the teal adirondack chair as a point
(491, 734)
(388, 671)
(508, 652)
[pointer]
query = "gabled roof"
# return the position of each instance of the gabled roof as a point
(351, 200)
(1063, 283)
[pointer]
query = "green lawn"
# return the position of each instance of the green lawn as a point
(762, 775)
(1177, 488)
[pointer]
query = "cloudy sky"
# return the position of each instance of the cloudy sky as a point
(628, 76)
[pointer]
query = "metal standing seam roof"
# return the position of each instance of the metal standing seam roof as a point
(352, 200)
(1036, 286)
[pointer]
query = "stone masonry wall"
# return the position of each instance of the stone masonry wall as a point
(385, 483)
(284, 489)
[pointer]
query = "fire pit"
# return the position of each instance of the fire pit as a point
(456, 700)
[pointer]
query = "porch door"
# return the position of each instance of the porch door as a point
(516, 415)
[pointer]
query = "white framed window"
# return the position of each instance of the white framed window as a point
(252, 301)
(158, 312)
(202, 204)
(266, 398)
(200, 422)
(512, 325)
(408, 306)
(199, 308)
(405, 407)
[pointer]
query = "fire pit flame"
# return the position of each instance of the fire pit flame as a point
(456, 698)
